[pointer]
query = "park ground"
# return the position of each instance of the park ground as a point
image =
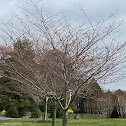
(71, 122)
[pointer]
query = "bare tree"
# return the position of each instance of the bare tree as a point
(106, 104)
(121, 102)
(66, 57)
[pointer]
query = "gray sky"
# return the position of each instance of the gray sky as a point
(96, 9)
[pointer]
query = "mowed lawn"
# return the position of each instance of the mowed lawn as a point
(71, 122)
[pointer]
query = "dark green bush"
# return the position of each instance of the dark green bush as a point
(12, 112)
(59, 113)
(35, 113)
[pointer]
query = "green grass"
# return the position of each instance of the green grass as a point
(71, 122)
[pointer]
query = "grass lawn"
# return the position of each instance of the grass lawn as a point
(71, 122)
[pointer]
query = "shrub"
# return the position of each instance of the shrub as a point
(12, 112)
(35, 113)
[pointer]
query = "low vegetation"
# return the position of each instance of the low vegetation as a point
(71, 122)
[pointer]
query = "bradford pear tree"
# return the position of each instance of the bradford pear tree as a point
(66, 57)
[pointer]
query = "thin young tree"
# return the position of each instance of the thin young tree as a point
(66, 58)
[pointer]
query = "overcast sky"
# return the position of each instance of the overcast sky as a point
(95, 9)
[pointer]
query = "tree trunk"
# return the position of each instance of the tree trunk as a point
(67, 103)
(45, 112)
(54, 114)
(65, 117)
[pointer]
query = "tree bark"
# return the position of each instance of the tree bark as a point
(45, 112)
(65, 117)
(54, 114)
(67, 103)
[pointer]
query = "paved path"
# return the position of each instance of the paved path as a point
(5, 118)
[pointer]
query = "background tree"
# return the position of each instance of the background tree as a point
(121, 102)
(15, 105)
(88, 99)
(106, 104)
(22, 52)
